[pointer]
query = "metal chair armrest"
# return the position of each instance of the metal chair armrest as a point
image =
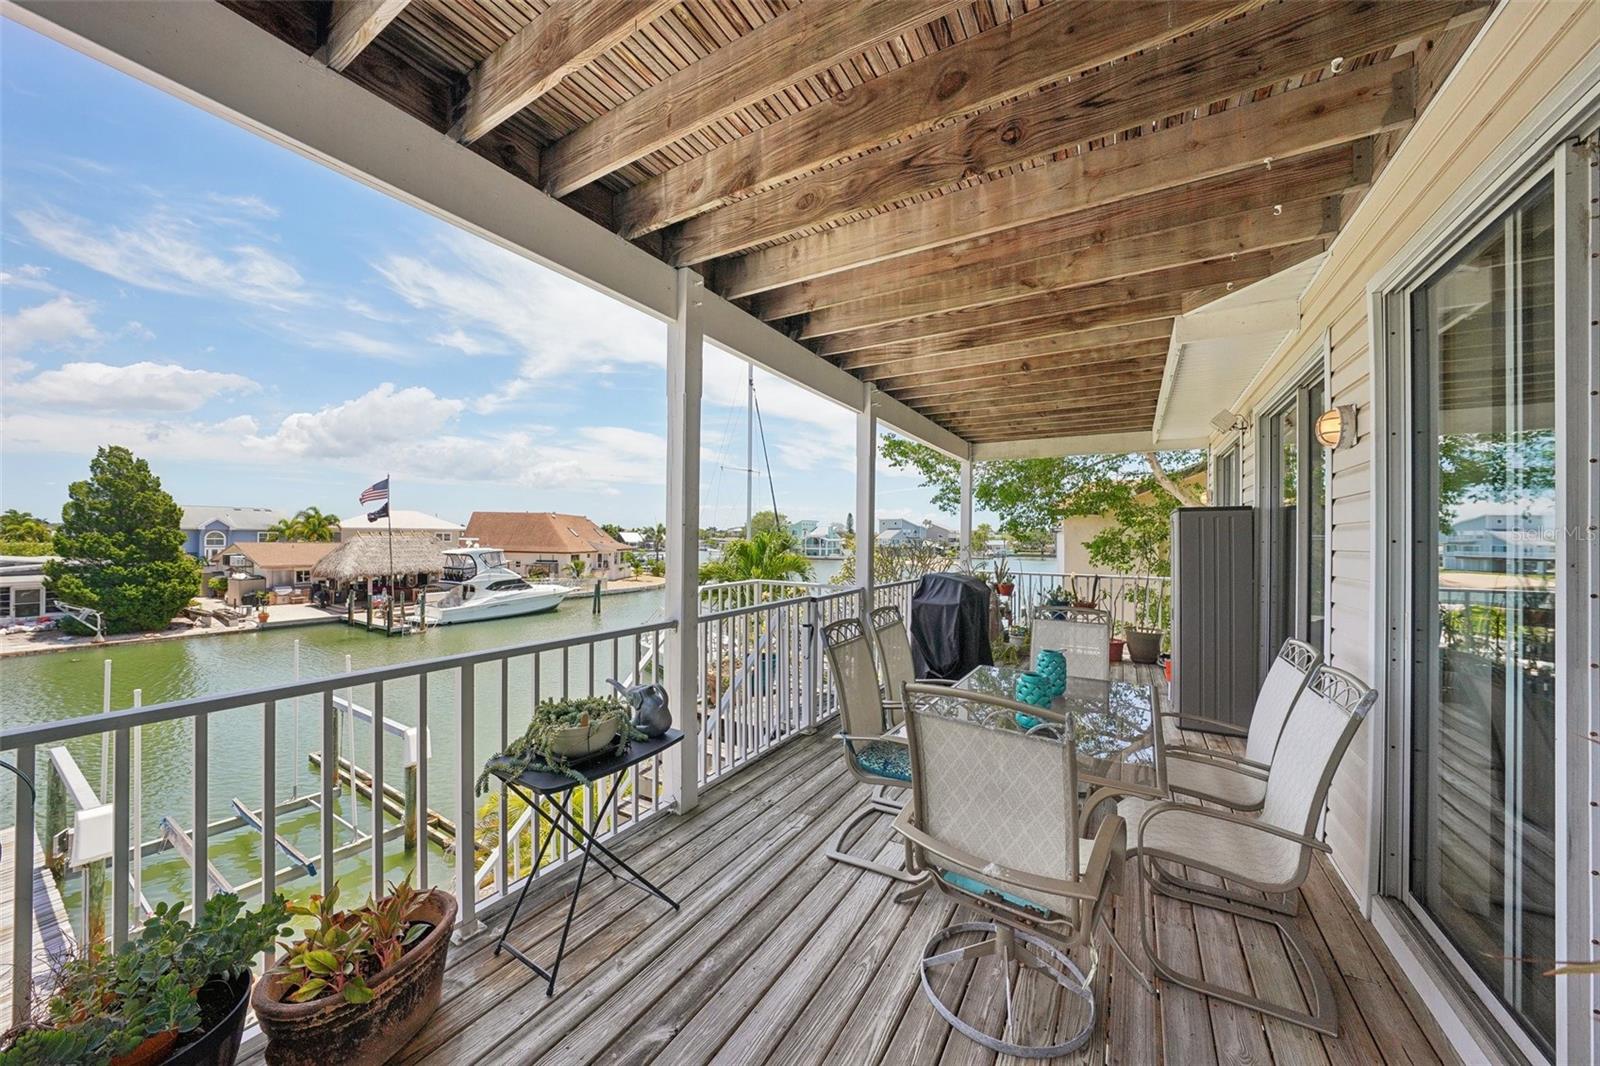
(1079, 890)
(888, 738)
(1227, 816)
(1214, 724)
(1217, 756)
(1236, 766)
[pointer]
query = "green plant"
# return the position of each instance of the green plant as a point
(24, 547)
(534, 749)
(219, 585)
(107, 1004)
(1000, 573)
(345, 950)
(578, 567)
(310, 523)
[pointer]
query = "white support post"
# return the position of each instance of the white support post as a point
(966, 512)
(685, 352)
(866, 494)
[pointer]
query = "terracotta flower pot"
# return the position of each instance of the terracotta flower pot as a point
(1116, 649)
(329, 1030)
(153, 1050)
(1005, 588)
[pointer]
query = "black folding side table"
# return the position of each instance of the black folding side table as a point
(530, 786)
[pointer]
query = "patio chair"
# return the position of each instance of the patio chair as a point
(1081, 634)
(873, 750)
(1267, 852)
(992, 824)
(1231, 780)
(894, 658)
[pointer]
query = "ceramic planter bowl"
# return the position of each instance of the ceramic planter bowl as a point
(329, 1030)
(581, 741)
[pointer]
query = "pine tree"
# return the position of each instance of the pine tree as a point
(121, 546)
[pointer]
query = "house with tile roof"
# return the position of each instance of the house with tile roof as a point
(281, 568)
(208, 528)
(550, 542)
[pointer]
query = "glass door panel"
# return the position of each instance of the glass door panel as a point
(1482, 762)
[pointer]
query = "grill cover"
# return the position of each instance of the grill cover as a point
(950, 626)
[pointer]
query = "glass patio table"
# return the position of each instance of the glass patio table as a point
(1111, 722)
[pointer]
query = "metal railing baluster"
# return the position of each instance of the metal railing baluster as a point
(122, 761)
(466, 810)
(422, 780)
(377, 789)
(22, 892)
(200, 881)
(330, 776)
(502, 873)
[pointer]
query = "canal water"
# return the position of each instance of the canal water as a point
(68, 684)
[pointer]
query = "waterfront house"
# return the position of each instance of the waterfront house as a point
(281, 569)
(443, 530)
(548, 542)
(22, 593)
(1340, 247)
(896, 532)
(815, 542)
(209, 529)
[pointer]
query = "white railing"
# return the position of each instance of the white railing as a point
(896, 594)
(354, 827)
(1133, 600)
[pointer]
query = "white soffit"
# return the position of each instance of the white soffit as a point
(1217, 350)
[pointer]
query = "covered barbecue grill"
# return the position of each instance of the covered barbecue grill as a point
(950, 626)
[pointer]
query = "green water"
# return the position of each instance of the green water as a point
(68, 684)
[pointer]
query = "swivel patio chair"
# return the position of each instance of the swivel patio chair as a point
(1081, 634)
(1268, 852)
(873, 750)
(1225, 778)
(992, 823)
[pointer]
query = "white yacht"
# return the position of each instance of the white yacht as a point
(480, 586)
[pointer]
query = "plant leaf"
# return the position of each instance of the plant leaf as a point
(310, 990)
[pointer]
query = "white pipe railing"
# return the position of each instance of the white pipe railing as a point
(1132, 599)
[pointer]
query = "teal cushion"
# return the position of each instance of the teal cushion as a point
(979, 888)
(883, 759)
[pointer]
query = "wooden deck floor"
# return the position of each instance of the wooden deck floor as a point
(780, 956)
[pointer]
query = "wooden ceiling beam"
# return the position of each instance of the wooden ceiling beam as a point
(1028, 51)
(352, 26)
(1333, 111)
(1085, 261)
(883, 363)
(1326, 173)
(1258, 49)
(773, 56)
(567, 36)
(1205, 245)
(1130, 386)
(912, 388)
(1045, 315)
(1067, 420)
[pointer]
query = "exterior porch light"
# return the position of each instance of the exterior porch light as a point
(1336, 427)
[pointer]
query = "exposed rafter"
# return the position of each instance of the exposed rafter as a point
(1004, 61)
(569, 34)
(768, 59)
(352, 26)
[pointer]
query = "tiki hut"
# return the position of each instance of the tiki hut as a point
(359, 570)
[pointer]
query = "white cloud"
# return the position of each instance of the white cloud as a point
(63, 320)
(249, 205)
(556, 324)
(137, 387)
(371, 423)
(139, 331)
(158, 439)
(804, 431)
(168, 254)
(349, 340)
(465, 343)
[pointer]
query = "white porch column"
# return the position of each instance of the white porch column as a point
(966, 512)
(685, 351)
(866, 493)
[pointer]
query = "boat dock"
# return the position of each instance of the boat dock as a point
(52, 930)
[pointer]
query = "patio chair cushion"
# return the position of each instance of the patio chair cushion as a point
(1215, 781)
(981, 888)
(1240, 851)
(884, 759)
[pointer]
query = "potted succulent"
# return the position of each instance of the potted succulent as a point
(564, 732)
(174, 995)
(1087, 600)
(1002, 578)
(360, 983)
(1058, 597)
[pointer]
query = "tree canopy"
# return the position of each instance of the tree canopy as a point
(767, 556)
(307, 524)
(24, 526)
(1032, 496)
(121, 548)
(769, 522)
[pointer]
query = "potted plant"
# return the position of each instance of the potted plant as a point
(1086, 600)
(360, 983)
(1002, 578)
(564, 732)
(174, 995)
(1143, 636)
(1117, 642)
(1057, 597)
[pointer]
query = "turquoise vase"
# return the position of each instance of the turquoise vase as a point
(1052, 666)
(1034, 690)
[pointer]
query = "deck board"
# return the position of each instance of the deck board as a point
(779, 956)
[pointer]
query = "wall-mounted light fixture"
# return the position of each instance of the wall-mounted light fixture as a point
(1336, 427)
(1229, 422)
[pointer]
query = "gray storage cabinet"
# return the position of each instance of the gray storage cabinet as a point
(1215, 614)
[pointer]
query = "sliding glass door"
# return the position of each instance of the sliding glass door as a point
(1294, 494)
(1481, 800)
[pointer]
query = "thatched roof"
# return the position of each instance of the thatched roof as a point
(362, 557)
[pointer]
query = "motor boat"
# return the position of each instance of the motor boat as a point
(479, 586)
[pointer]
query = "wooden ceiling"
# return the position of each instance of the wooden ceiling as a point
(992, 209)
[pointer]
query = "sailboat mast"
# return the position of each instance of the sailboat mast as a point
(750, 452)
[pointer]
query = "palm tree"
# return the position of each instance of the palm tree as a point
(315, 525)
(283, 529)
(578, 567)
(768, 556)
(23, 525)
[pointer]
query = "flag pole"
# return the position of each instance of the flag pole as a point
(388, 516)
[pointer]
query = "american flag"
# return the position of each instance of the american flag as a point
(378, 490)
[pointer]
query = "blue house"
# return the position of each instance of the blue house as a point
(207, 530)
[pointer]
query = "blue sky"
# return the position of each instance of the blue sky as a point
(268, 332)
